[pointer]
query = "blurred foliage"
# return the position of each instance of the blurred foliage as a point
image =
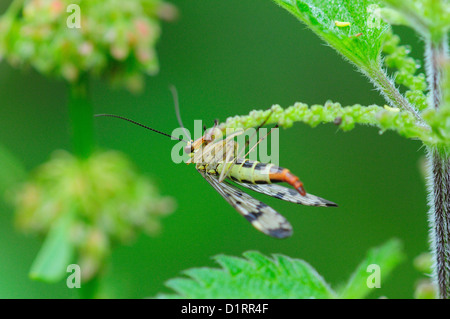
(425, 288)
(259, 276)
(387, 257)
(115, 38)
(93, 204)
(429, 18)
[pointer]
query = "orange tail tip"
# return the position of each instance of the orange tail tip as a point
(286, 176)
(301, 190)
(298, 186)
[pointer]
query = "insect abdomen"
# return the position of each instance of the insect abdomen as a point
(253, 172)
(279, 174)
(247, 171)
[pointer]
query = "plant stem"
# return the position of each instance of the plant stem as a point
(391, 94)
(439, 216)
(436, 53)
(81, 116)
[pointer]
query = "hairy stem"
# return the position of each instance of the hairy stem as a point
(436, 54)
(438, 217)
(81, 116)
(390, 92)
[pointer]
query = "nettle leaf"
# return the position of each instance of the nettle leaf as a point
(352, 27)
(256, 276)
(384, 259)
(259, 276)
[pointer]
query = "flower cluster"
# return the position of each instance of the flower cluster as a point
(397, 58)
(109, 200)
(114, 38)
(385, 118)
(429, 18)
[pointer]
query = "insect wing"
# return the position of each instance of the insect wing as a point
(288, 194)
(261, 216)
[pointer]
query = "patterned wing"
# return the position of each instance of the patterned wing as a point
(288, 194)
(261, 216)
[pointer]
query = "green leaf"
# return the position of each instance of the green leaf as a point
(233, 265)
(352, 27)
(256, 276)
(56, 253)
(186, 287)
(387, 257)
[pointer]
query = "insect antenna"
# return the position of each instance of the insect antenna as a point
(173, 89)
(247, 143)
(141, 125)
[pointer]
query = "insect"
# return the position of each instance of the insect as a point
(216, 158)
(341, 24)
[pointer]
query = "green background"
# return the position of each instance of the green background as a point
(227, 58)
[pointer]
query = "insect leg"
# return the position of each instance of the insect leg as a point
(247, 143)
(260, 140)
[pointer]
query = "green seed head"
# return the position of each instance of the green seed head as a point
(68, 38)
